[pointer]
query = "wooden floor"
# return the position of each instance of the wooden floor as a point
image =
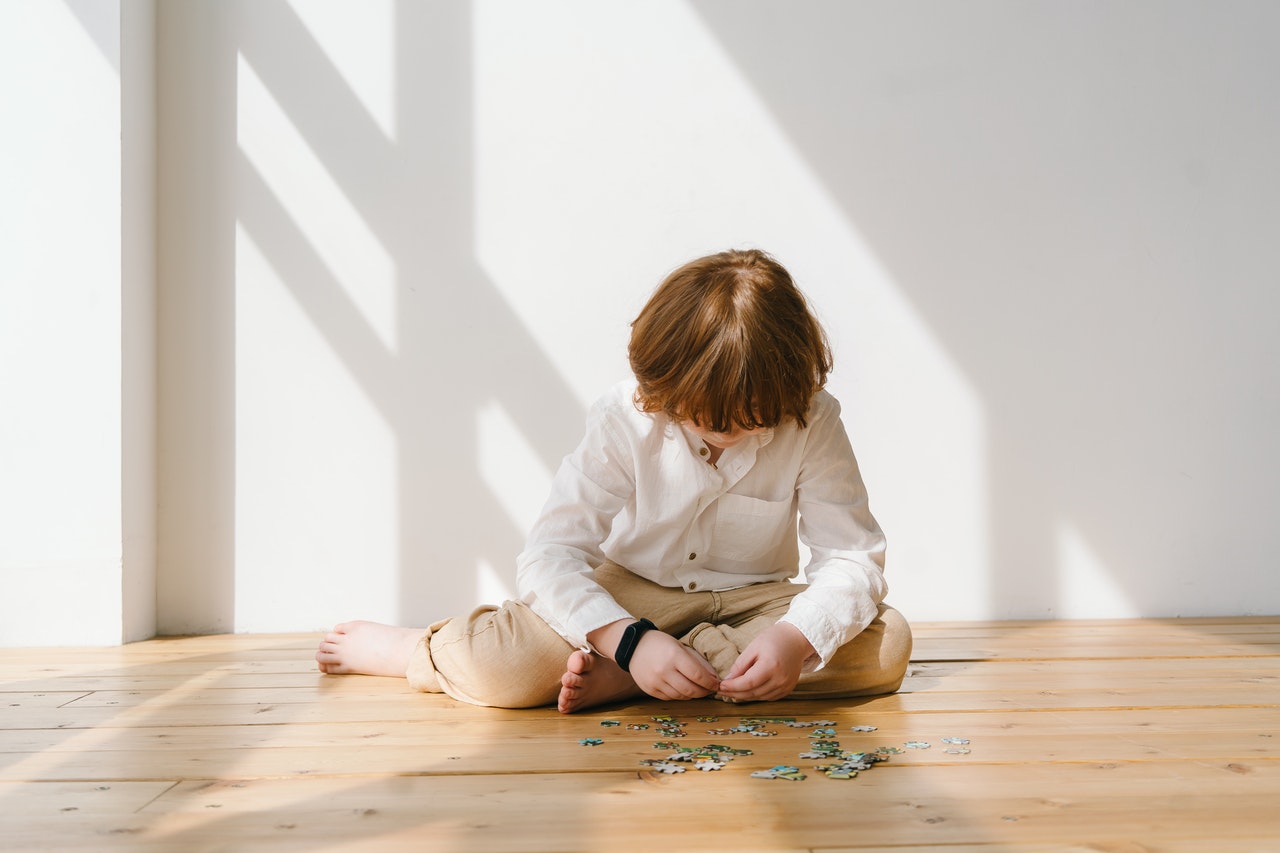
(1143, 735)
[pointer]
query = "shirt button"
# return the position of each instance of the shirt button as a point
(702, 451)
(693, 585)
(693, 556)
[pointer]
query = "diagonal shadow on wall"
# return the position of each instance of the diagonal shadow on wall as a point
(1072, 198)
(459, 344)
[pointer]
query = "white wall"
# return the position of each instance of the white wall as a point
(1038, 233)
(399, 244)
(76, 324)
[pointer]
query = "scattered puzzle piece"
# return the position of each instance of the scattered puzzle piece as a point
(668, 767)
(838, 771)
(780, 771)
(837, 763)
(958, 741)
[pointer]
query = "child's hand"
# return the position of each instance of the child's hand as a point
(665, 668)
(769, 666)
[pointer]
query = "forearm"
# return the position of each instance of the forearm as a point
(606, 638)
(841, 598)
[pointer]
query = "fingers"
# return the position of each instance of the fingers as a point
(746, 688)
(759, 682)
(743, 664)
(746, 674)
(690, 676)
(690, 682)
(764, 693)
(682, 688)
(698, 670)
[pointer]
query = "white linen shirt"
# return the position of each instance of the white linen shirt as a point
(637, 492)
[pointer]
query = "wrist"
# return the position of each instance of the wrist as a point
(604, 640)
(796, 640)
(630, 641)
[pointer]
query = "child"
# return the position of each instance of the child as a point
(660, 564)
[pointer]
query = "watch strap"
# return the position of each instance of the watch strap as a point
(630, 639)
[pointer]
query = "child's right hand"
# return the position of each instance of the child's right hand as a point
(665, 668)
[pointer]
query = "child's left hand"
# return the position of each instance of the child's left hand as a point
(769, 667)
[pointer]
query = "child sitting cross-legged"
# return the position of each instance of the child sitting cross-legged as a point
(662, 561)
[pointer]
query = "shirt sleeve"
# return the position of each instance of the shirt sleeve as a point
(555, 572)
(846, 573)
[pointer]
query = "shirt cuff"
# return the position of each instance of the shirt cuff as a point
(586, 619)
(823, 633)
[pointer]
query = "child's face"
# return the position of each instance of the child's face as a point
(723, 440)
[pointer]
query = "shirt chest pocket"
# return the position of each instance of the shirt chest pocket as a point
(748, 528)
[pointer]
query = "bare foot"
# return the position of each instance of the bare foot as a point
(590, 680)
(368, 648)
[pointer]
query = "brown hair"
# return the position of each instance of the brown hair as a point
(729, 340)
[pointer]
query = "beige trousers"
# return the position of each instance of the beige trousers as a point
(508, 657)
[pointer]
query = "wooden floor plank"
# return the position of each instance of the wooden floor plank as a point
(547, 726)
(630, 811)
(1103, 734)
(165, 709)
(181, 668)
(1010, 648)
(463, 754)
(996, 676)
(1077, 626)
(23, 801)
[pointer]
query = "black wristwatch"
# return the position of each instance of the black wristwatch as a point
(630, 639)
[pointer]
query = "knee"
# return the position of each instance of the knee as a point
(895, 647)
(479, 681)
(499, 657)
(871, 664)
